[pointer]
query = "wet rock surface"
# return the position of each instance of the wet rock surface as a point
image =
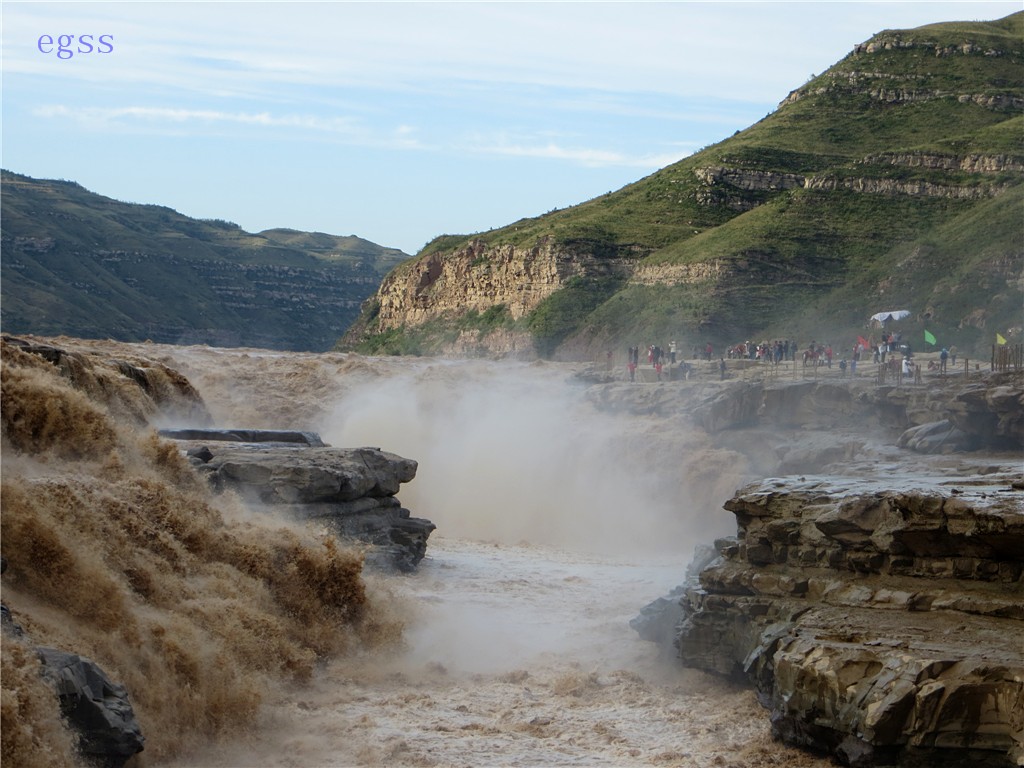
(885, 627)
(95, 706)
(352, 491)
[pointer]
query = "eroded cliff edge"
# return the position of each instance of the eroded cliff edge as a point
(886, 627)
(877, 606)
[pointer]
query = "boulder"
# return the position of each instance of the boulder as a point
(936, 437)
(95, 706)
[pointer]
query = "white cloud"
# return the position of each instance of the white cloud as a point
(101, 115)
(587, 157)
(197, 121)
(754, 51)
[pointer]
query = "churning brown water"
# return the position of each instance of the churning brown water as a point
(248, 641)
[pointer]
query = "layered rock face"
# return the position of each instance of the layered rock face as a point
(885, 627)
(984, 414)
(352, 491)
(506, 281)
(478, 277)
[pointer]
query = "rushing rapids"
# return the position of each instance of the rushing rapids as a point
(248, 638)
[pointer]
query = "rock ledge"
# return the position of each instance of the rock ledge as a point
(352, 491)
(885, 627)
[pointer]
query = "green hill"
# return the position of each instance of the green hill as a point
(74, 262)
(893, 180)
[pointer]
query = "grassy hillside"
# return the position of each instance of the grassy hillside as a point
(892, 180)
(80, 264)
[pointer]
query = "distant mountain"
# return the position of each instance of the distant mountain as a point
(76, 263)
(894, 180)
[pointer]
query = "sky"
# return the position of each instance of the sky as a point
(402, 121)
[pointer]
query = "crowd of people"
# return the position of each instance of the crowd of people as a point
(890, 345)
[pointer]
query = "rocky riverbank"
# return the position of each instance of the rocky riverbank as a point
(878, 612)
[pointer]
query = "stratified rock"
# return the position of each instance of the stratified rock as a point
(737, 406)
(398, 539)
(245, 436)
(983, 414)
(352, 491)
(885, 627)
(95, 706)
(298, 475)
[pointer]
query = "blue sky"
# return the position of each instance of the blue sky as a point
(398, 121)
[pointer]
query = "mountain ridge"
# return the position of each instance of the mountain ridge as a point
(81, 264)
(847, 198)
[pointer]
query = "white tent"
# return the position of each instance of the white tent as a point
(885, 317)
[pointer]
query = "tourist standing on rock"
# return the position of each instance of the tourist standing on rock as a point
(943, 356)
(952, 354)
(721, 367)
(672, 352)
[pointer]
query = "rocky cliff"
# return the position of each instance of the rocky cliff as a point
(503, 283)
(878, 610)
(883, 626)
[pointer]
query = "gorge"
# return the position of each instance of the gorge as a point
(564, 498)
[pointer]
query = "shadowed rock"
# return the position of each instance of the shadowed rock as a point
(95, 706)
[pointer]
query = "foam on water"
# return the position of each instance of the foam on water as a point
(516, 656)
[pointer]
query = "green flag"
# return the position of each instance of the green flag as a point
(999, 338)
(929, 338)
